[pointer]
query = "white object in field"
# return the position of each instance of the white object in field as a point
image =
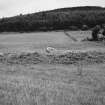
(50, 49)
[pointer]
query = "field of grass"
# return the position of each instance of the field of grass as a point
(32, 41)
(12, 42)
(50, 84)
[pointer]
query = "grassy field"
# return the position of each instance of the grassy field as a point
(50, 84)
(33, 41)
(12, 42)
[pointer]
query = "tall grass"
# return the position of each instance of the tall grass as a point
(26, 88)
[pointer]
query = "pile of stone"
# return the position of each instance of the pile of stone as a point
(22, 58)
(74, 58)
(88, 57)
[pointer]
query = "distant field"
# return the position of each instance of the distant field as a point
(33, 41)
(12, 42)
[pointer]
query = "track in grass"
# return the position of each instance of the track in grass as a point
(71, 37)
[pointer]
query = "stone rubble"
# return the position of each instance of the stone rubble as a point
(67, 58)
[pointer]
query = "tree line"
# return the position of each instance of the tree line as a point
(75, 18)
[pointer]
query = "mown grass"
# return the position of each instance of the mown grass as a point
(20, 42)
(51, 85)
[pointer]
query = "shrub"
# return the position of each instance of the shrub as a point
(73, 28)
(85, 27)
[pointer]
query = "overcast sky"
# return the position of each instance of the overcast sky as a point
(15, 7)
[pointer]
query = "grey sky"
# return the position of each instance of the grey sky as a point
(15, 7)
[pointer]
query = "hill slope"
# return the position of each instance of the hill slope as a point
(64, 18)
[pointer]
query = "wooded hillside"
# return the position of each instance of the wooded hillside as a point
(65, 18)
